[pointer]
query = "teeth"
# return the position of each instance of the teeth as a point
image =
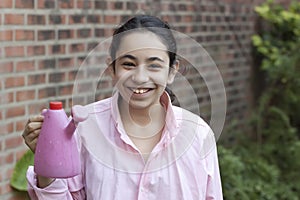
(140, 91)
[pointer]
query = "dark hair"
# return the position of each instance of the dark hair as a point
(154, 25)
(146, 23)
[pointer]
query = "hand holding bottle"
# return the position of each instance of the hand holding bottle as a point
(32, 131)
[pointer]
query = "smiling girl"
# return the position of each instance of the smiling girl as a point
(136, 144)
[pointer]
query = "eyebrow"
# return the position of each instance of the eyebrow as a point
(150, 59)
(127, 56)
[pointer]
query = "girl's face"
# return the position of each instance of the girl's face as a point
(142, 69)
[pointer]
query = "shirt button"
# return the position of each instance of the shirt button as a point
(144, 190)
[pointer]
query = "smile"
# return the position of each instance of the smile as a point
(140, 90)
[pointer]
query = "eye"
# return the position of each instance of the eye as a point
(154, 66)
(128, 65)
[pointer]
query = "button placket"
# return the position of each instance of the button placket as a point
(144, 183)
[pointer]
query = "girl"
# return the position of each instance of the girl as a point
(136, 144)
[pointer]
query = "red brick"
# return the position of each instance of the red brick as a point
(188, 18)
(35, 50)
(47, 92)
(17, 51)
(102, 5)
(36, 19)
(94, 19)
(65, 34)
(76, 19)
(99, 32)
(15, 19)
(6, 35)
(76, 48)
(36, 79)
(47, 4)
(14, 82)
(7, 97)
(66, 62)
(24, 3)
(108, 32)
(15, 112)
(36, 108)
(57, 49)
(57, 19)
(111, 19)
(83, 87)
(65, 90)
(25, 95)
(47, 64)
(6, 67)
(110, 5)
(6, 128)
(92, 45)
(5, 189)
(85, 4)
(6, 158)
(20, 125)
(6, 3)
(66, 4)
(25, 66)
(75, 74)
(57, 77)
(118, 5)
(84, 33)
(46, 35)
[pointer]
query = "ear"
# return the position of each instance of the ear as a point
(110, 66)
(173, 72)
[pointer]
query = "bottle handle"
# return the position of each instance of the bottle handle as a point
(79, 113)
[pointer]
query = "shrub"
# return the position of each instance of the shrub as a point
(265, 164)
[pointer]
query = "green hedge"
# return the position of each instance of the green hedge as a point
(265, 164)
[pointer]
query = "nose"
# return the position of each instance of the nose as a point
(140, 75)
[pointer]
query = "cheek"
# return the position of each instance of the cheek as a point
(121, 76)
(162, 78)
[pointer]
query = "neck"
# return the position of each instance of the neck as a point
(141, 116)
(143, 126)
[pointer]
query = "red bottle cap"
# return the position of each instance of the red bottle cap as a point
(55, 105)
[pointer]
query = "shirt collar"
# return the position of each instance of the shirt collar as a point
(171, 124)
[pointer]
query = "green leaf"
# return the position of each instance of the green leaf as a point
(262, 10)
(257, 41)
(18, 179)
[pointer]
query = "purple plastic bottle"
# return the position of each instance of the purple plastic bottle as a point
(56, 154)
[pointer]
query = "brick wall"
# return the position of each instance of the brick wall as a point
(44, 42)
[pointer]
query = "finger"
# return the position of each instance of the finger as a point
(32, 144)
(31, 140)
(33, 126)
(37, 118)
(33, 135)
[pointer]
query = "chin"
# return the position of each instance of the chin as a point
(140, 105)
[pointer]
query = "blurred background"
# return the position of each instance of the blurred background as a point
(44, 45)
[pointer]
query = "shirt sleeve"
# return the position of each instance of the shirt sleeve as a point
(63, 189)
(214, 186)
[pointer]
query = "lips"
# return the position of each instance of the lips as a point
(140, 90)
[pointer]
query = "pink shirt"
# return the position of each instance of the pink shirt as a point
(183, 165)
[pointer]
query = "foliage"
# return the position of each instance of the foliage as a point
(265, 164)
(246, 175)
(278, 117)
(18, 179)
